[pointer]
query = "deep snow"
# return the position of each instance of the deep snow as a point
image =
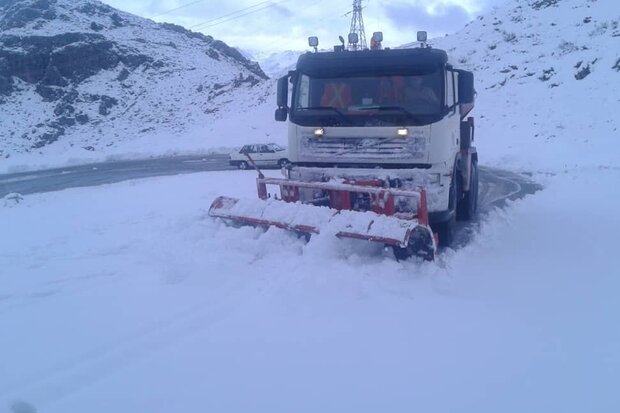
(129, 298)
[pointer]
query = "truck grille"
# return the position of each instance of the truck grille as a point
(363, 148)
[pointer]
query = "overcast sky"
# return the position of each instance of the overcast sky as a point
(276, 25)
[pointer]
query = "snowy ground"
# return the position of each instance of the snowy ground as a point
(128, 298)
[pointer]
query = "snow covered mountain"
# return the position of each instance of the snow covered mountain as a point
(277, 64)
(548, 81)
(83, 74)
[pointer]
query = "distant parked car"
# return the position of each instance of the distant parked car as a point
(263, 154)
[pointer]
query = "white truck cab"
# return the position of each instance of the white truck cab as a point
(396, 115)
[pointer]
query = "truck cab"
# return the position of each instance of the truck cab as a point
(397, 115)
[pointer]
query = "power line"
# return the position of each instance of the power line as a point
(176, 8)
(235, 14)
(226, 17)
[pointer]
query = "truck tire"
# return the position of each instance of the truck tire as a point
(243, 165)
(446, 230)
(283, 162)
(468, 203)
(420, 245)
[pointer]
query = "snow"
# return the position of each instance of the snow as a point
(129, 298)
(312, 219)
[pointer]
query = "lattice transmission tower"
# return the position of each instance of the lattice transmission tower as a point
(357, 26)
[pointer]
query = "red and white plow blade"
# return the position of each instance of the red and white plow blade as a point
(310, 219)
(410, 235)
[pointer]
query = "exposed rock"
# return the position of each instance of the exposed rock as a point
(95, 9)
(106, 104)
(583, 72)
(62, 59)
(235, 54)
(19, 15)
(49, 137)
(66, 69)
(50, 93)
(542, 4)
(117, 20)
(547, 74)
(123, 75)
(213, 54)
(82, 118)
(52, 77)
(96, 26)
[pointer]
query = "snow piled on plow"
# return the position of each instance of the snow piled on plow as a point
(310, 219)
(129, 298)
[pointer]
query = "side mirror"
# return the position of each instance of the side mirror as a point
(466, 87)
(282, 100)
(281, 114)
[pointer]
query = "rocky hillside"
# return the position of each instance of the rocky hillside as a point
(548, 80)
(78, 72)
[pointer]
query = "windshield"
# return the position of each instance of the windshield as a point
(368, 100)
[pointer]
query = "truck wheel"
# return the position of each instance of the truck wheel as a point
(446, 230)
(283, 162)
(243, 165)
(420, 245)
(468, 205)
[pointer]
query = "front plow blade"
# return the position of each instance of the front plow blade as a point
(407, 237)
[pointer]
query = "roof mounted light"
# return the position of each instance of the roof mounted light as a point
(353, 38)
(422, 36)
(313, 41)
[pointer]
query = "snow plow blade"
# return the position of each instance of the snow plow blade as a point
(408, 237)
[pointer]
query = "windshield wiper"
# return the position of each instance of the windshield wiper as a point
(341, 115)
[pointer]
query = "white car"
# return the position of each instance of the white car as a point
(263, 154)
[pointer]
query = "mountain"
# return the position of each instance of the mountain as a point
(277, 64)
(548, 82)
(79, 73)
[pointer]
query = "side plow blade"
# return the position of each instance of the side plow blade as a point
(407, 236)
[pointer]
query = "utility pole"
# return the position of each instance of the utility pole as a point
(357, 26)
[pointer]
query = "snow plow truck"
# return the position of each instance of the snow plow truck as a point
(380, 149)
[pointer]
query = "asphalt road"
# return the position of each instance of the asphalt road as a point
(107, 172)
(496, 185)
